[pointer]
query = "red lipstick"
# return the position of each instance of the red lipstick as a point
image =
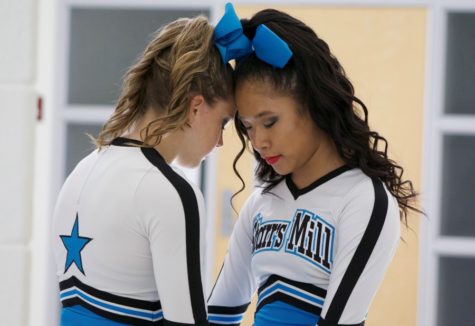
(272, 159)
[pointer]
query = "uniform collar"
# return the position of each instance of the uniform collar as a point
(296, 192)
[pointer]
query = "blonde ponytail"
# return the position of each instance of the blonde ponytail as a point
(179, 62)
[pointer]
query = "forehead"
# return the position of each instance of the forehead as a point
(257, 99)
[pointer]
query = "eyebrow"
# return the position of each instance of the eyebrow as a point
(257, 116)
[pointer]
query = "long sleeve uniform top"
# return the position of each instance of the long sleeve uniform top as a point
(315, 255)
(128, 241)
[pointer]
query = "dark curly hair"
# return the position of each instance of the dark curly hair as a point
(315, 79)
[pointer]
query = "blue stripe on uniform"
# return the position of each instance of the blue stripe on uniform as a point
(74, 293)
(120, 310)
(290, 291)
(225, 319)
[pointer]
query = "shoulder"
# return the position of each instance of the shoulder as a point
(369, 212)
(167, 191)
(358, 186)
(365, 196)
(278, 191)
(86, 163)
(190, 184)
(257, 195)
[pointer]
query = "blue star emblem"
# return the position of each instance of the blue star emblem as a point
(74, 244)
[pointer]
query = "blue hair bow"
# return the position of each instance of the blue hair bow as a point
(233, 44)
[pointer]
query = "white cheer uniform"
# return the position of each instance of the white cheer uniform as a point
(316, 255)
(128, 239)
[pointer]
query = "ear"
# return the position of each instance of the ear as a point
(196, 106)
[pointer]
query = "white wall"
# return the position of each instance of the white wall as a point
(17, 117)
(43, 291)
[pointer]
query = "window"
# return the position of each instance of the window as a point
(103, 43)
(448, 250)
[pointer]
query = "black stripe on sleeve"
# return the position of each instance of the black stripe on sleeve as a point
(361, 256)
(192, 222)
(228, 310)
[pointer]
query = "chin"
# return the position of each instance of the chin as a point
(280, 170)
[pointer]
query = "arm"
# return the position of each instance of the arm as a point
(171, 218)
(367, 237)
(235, 284)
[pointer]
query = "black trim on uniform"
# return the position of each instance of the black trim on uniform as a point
(228, 310)
(72, 283)
(192, 229)
(304, 286)
(361, 256)
(109, 297)
(296, 192)
(279, 296)
(323, 322)
(126, 142)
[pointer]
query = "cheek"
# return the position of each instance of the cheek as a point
(291, 139)
(213, 134)
(288, 134)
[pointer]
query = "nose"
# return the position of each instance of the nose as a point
(259, 139)
(220, 140)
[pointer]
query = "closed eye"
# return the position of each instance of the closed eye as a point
(269, 123)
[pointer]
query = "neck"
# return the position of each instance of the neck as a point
(169, 144)
(324, 160)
